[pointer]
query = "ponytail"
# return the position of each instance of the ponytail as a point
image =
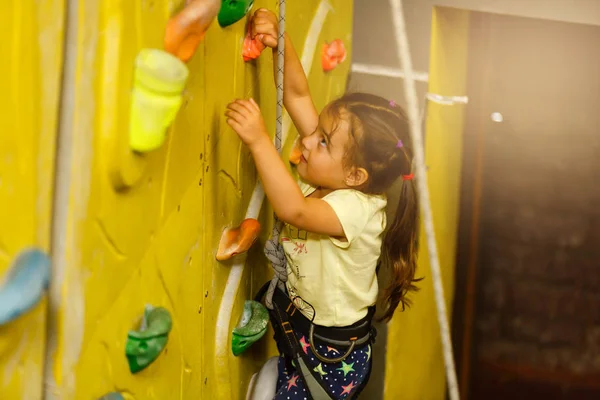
(378, 129)
(399, 251)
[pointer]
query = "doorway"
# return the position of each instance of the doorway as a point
(527, 306)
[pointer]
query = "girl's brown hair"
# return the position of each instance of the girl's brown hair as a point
(380, 143)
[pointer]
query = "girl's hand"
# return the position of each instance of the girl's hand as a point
(245, 118)
(265, 27)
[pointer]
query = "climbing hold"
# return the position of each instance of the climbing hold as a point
(185, 31)
(251, 327)
(295, 154)
(263, 383)
(159, 80)
(238, 240)
(144, 346)
(117, 396)
(112, 396)
(27, 279)
(252, 47)
(332, 54)
(232, 11)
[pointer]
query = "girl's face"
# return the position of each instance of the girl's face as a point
(323, 152)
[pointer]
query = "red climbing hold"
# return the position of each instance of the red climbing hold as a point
(252, 47)
(238, 240)
(332, 54)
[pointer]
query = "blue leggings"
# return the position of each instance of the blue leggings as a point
(342, 380)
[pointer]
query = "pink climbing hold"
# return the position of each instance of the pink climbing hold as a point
(332, 55)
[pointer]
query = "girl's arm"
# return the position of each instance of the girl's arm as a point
(296, 93)
(286, 198)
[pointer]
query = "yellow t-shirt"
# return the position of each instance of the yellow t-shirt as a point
(337, 278)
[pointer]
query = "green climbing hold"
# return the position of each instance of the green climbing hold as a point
(145, 345)
(251, 328)
(232, 11)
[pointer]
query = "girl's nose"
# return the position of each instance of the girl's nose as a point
(306, 141)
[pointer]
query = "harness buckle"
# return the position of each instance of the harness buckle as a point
(287, 329)
(287, 310)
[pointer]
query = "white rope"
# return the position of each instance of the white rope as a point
(446, 100)
(280, 68)
(390, 72)
(274, 249)
(421, 177)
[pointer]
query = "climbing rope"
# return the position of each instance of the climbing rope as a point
(274, 249)
(421, 174)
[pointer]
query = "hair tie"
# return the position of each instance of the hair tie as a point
(408, 177)
(393, 103)
(399, 145)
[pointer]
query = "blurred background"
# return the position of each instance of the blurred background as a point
(526, 307)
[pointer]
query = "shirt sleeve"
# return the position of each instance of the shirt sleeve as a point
(353, 210)
(305, 187)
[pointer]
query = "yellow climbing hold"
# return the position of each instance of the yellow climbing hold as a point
(159, 80)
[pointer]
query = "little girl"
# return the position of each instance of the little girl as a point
(335, 219)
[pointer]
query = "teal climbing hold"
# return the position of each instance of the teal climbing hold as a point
(144, 346)
(232, 11)
(251, 327)
(112, 396)
(25, 284)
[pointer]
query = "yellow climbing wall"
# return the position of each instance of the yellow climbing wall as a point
(144, 229)
(414, 352)
(31, 48)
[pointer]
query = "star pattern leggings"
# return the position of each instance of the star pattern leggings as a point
(342, 380)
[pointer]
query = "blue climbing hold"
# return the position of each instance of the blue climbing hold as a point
(112, 396)
(27, 279)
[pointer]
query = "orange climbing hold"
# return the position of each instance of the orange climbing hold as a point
(295, 155)
(332, 54)
(252, 47)
(238, 240)
(185, 31)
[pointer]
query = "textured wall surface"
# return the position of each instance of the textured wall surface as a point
(30, 72)
(154, 241)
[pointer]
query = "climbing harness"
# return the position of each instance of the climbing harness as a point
(357, 334)
(287, 321)
(419, 160)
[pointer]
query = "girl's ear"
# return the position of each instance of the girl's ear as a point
(356, 177)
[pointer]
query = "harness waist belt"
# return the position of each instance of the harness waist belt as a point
(360, 332)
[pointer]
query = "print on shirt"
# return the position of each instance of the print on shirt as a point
(296, 233)
(295, 245)
(299, 248)
(305, 307)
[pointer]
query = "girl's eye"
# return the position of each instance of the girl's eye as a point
(323, 142)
